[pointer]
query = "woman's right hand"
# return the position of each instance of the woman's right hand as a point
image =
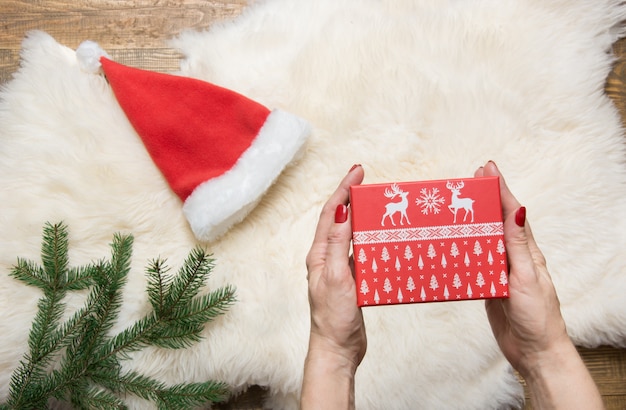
(528, 326)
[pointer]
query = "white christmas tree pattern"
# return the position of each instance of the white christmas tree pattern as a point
(385, 254)
(431, 251)
(456, 282)
(362, 256)
(480, 280)
(410, 284)
(387, 286)
(430, 201)
(364, 288)
(503, 278)
(454, 250)
(431, 270)
(408, 253)
(434, 284)
(500, 248)
(477, 249)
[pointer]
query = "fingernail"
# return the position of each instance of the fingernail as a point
(520, 216)
(341, 214)
(493, 162)
(354, 167)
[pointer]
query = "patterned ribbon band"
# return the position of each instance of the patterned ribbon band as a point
(427, 233)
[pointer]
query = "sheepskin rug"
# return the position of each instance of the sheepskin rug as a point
(410, 89)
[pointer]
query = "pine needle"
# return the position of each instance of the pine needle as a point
(87, 372)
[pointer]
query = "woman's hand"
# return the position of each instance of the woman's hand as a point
(337, 341)
(529, 322)
(528, 326)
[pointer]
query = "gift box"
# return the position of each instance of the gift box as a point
(428, 241)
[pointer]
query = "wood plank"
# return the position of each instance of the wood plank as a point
(607, 366)
(616, 81)
(126, 25)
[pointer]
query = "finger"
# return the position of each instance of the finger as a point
(520, 244)
(510, 204)
(479, 172)
(338, 243)
(340, 196)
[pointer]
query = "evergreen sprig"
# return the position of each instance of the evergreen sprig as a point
(78, 360)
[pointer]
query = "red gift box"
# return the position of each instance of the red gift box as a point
(428, 241)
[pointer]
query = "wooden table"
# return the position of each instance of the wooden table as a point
(134, 32)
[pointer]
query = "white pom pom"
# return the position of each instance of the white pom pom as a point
(88, 55)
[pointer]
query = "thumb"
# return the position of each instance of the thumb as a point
(339, 236)
(517, 239)
(520, 244)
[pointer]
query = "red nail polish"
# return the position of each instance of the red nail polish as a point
(520, 216)
(341, 214)
(354, 167)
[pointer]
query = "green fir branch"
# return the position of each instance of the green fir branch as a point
(190, 279)
(88, 372)
(205, 308)
(54, 254)
(50, 310)
(98, 399)
(79, 278)
(186, 396)
(30, 273)
(158, 284)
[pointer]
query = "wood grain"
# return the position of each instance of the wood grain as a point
(135, 32)
(616, 81)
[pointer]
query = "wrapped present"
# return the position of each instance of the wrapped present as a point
(428, 241)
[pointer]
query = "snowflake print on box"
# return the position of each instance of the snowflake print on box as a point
(428, 241)
(430, 201)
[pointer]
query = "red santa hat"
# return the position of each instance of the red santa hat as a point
(218, 150)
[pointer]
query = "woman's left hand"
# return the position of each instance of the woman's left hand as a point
(337, 327)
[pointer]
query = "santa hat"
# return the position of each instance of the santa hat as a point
(218, 150)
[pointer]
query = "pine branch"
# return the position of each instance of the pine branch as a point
(110, 281)
(97, 399)
(176, 300)
(158, 284)
(89, 373)
(182, 396)
(30, 273)
(190, 279)
(206, 307)
(79, 278)
(185, 396)
(50, 308)
(54, 253)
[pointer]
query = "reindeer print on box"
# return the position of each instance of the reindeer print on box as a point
(428, 241)
(393, 207)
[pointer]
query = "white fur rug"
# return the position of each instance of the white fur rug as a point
(411, 90)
